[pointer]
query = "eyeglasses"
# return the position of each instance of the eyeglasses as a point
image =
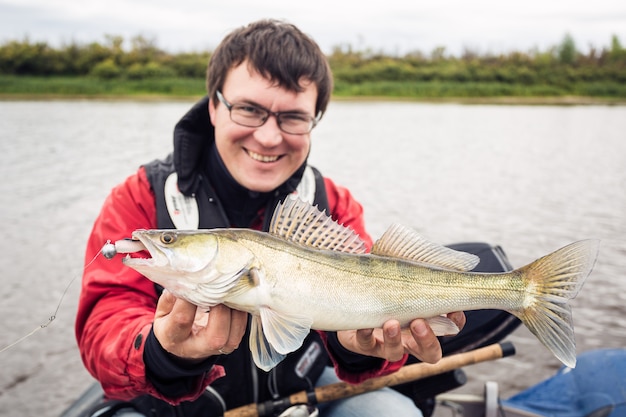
(250, 115)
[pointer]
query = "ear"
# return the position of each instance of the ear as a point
(212, 111)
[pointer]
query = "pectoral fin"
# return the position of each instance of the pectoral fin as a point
(442, 326)
(263, 354)
(274, 335)
(285, 333)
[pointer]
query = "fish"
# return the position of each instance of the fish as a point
(309, 272)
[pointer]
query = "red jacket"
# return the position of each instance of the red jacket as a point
(117, 304)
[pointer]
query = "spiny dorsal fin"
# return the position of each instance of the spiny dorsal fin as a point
(401, 242)
(299, 222)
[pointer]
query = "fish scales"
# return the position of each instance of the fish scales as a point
(359, 287)
(309, 272)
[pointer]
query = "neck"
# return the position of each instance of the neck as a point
(241, 205)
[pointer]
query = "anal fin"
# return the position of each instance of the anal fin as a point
(442, 326)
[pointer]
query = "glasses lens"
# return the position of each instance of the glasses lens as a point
(250, 116)
(295, 123)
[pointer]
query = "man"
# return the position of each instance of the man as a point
(237, 154)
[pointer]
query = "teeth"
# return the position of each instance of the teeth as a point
(262, 158)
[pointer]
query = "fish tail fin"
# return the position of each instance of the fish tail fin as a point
(551, 282)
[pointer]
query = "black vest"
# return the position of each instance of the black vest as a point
(211, 215)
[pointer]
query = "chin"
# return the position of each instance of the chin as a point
(262, 186)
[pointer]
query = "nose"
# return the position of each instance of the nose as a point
(269, 134)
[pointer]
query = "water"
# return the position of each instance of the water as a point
(529, 178)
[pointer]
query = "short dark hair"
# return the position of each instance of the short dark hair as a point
(279, 51)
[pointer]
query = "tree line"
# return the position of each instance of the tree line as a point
(560, 65)
(144, 59)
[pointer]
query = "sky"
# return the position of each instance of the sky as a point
(390, 26)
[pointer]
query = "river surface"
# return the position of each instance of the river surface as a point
(528, 178)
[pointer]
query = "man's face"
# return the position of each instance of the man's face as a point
(260, 158)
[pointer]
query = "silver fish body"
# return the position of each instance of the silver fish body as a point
(311, 273)
(342, 291)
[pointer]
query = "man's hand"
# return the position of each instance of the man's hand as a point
(391, 342)
(187, 332)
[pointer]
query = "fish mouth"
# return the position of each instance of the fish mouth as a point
(263, 158)
(139, 245)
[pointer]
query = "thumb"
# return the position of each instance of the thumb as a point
(173, 321)
(165, 305)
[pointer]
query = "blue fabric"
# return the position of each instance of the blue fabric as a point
(598, 382)
(384, 402)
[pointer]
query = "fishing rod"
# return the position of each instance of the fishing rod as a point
(405, 374)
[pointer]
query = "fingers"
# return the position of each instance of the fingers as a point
(425, 345)
(393, 343)
(419, 341)
(165, 304)
(225, 328)
(188, 333)
(173, 319)
(386, 343)
(365, 339)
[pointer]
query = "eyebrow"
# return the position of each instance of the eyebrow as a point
(255, 104)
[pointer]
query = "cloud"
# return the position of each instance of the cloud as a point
(398, 27)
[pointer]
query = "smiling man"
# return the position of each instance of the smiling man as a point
(237, 153)
(270, 137)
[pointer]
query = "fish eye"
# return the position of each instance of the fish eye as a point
(168, 238)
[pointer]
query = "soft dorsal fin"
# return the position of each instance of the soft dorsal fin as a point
(299, 222)
(401, 242)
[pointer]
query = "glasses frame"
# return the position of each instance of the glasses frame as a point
(312, 120)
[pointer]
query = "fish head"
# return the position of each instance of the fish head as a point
(173, 254)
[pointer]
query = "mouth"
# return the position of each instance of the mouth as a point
(142, 250)
(129, 246)
(263, 158)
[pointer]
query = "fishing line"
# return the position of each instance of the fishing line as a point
(56, 311)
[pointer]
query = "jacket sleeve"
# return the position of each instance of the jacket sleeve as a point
(117, 304)
(350, 366)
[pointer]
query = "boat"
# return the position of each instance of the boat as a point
(595, 388)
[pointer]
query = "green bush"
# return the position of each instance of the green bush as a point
(106, 70)
(190, 65)
(150, 70)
